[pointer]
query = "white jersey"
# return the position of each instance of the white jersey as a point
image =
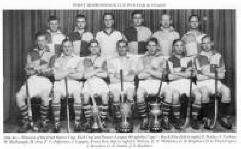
(108, 42)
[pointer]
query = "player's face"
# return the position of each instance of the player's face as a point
(165, 21)
(137, 19)
(152, 47)
(206, 44)
(108, 21)
(80, 23)
(122, 49)
(53, 25)
(67, 48)
(179, 48)
(42, 41)
(94, 48)
(194, 22)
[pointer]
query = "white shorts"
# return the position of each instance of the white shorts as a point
(182, 86)
(37, 85)
(152, 86)
(95, 86)
(74, 87)
(117, 86)
(210, 85)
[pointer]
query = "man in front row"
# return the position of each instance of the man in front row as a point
(67, 67)
(38, 85)
(125, 63)
(206, 62)
(150, 69)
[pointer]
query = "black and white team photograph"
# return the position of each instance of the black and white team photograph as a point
(119, 71)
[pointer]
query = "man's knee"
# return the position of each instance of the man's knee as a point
(130, 93)
(116, 95)
(175, 97)
(105, 98)
(20, 99)
(86, 98)
(167, 96)
(197, 97)
(205, 95)
(226, 94)
(57, 97)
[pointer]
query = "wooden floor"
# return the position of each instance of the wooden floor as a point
(10, 127)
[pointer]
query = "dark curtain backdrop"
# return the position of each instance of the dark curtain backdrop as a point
(19, 27)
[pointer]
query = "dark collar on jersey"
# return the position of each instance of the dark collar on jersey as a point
(58, 31)
(46, 49)
(104, 31)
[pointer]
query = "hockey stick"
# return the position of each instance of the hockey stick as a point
(30, 114)
(216, 99)
(67, 102)
(188, 115)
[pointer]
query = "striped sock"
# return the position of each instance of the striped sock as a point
(24, 112)
(104, 111)
(44, 112)
(117, 110)
(77, 111)
(176, 110)
(196, 109)
(165, 108)
(141, 107)
(56, 110)
(87, 111)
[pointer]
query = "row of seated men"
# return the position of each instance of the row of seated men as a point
(106, 59)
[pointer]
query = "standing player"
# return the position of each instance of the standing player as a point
(108, 37)
(80, 37)
(137, 35)
(56, 36)
(95, 72)
(193, 37)
(206, 62)
(38, 85)
(124, 63)
(150, 69)
(166, 35)
(70, 67)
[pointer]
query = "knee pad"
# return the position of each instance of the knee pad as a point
(167, 96)
(175, 97)
(105, 98)
(86, 98)
(130, 93)
(197, 97)
(226, 94)
(141, 93)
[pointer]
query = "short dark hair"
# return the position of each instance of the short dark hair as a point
(93, 41)
(53, 18)
(136, 12)
(67, 40)
(80, 16)
(207, 36)
(41, 33)
(152, 40)
(177, 40)
(121, 41)
(194, 15)
(108, 13)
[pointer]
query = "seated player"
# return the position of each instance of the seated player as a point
(124, 63)
(38, 85)
(166, 35)
(95, 71)
(137, 35)
(193, 37)
(150, 69)
(70, 67)
(108, 37)
(81, 37)
(206, 62)
(56, 36)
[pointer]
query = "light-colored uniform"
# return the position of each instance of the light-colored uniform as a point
(193, 42)
(127, 65)
(165, 39)
(74, 87)
(205, 62)
(96, 85)
(108, 42)
(152, 84)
